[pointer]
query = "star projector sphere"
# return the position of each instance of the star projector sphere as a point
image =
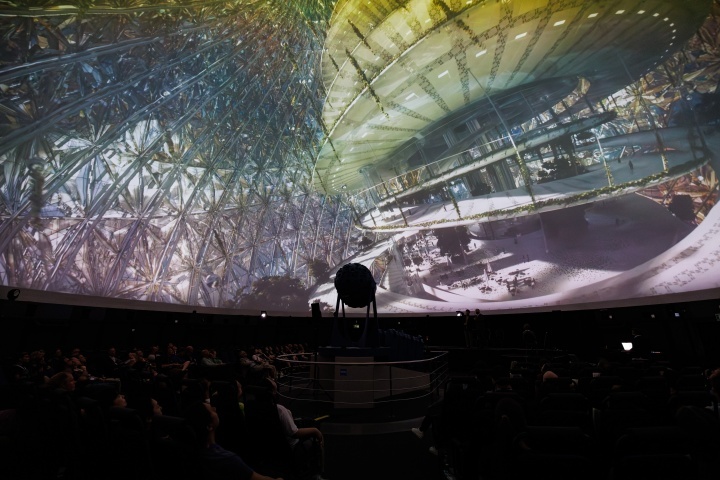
(355, 285)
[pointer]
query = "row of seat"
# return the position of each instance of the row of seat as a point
(57, 434)
(565, 434)
(596, 388)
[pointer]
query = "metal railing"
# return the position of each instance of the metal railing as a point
(361, 383)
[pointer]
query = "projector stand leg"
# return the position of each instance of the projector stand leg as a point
(315, 382)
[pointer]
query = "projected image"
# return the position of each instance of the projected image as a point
(498, 155)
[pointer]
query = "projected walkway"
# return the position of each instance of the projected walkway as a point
(630, 245)
(585, 188)
(624, 253)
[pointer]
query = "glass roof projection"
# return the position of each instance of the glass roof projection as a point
(162, 150)
(395, 74)
(234, 154)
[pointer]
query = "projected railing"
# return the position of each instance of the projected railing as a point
(359, 383)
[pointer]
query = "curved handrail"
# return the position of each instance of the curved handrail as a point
(393, 385)
(398, 362)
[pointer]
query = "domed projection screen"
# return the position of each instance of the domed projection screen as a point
(499, 154)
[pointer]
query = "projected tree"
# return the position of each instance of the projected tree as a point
(162, 152)
(452, 241)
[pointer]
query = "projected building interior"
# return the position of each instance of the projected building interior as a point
(500, 154)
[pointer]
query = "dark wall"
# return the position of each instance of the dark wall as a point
(685, 332)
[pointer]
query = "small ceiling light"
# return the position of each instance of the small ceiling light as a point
(443, 74)
(592, 15)
(520, 35)
(481, 52)
(656, 14)
(640, 12)
(619, 12)
(263, 314)
(557, 24)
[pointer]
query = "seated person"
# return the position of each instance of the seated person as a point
(429, 420)
(107, 365)
(62, 380)
(528, 336)
(209, 358)
(216, 461)
(205, 358)
(307, 443)
(172, 360)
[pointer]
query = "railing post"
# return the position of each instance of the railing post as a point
(392, 406)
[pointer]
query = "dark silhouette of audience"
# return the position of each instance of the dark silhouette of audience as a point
(125, 415)
(519, 417)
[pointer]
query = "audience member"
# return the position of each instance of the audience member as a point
(262, 361)
(468, 328)
(217, 462)
(172, 360)
(307, 443)
(188, 356)
(21, 368)
(107, 365)
(209, 358)
(146, 406)
(528, 337)
(429, 421)
(59, 362)
(153, 356)
(480, 329)
(40, 371)
(62, 380)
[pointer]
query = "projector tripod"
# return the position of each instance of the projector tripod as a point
(340, 335)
